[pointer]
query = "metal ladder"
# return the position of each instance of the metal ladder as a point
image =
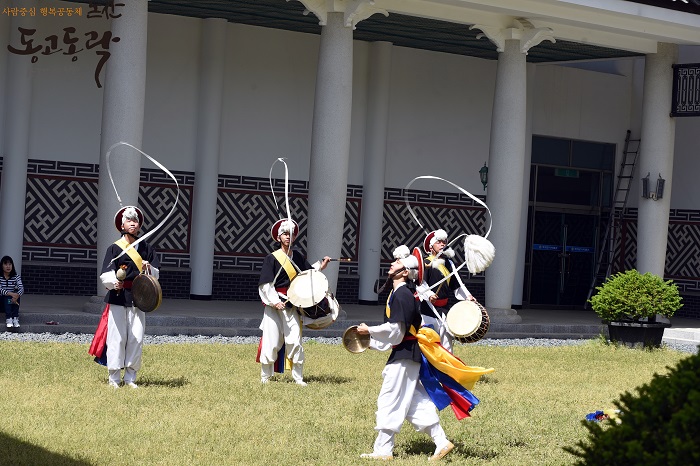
(603, 265)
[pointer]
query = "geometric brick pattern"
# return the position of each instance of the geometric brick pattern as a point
(399, 227)
(60, 211)
(243, 221)
(61, 216)
(683, 250)
(157, 201)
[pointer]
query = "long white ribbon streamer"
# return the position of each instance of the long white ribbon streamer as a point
(157, 164)
(286, 203)
(429, 177)
(286, 190)
(415, 217)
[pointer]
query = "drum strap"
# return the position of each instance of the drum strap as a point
(131, 252)
(442, 268)
(286, 263)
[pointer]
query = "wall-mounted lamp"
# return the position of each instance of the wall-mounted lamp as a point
(484, 175)
(654, 195)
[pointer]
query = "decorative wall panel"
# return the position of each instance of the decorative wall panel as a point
(61, 216)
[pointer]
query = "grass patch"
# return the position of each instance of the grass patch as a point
(204, 404)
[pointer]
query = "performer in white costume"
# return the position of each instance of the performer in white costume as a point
(402, 396)
(126, 323)
(281, 322)
(438, 266)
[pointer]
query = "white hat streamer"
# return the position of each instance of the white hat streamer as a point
(479, 251)
(157, 164)
(288, 220)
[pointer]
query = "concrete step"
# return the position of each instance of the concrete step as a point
(86, 323)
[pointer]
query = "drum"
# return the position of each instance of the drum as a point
(308, 289)
(353, 341)
(467, 321)
(146, 292)
(323, 314)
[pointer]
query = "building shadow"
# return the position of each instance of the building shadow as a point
(18, 453)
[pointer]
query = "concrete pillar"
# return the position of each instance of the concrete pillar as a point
(372, 215)
(211, 91)
(19, 80)
(507, 160)
(656, 157)
(4, 57)
(330, 144)
(122, 120)
(522, 246)
(506, 171)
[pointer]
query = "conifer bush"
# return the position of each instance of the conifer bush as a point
(659, 425)
(631, 296)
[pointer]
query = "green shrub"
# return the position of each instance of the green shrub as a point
(659, 426)
(633, 296)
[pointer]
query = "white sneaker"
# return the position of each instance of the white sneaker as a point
(131, 384)
(442, 452)
(113, 384)
(8, 322)
(15, 322)
(301, 383)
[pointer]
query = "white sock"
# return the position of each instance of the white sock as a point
(438, 435)
(384, 444)
(115, 375)
(266, 371)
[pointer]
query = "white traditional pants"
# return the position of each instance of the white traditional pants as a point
(125, 329)
(280, 327)
(402, 397)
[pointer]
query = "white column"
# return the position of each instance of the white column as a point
(525, 201)
(211, 91)
(4, 57)
(506, 171)
(507, 160)
(19, 80)
(330, 144)
(379, 78)
(656, 157)
(122, 120)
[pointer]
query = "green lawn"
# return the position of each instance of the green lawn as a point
(204, 404)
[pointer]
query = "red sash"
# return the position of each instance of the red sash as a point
(99, 341)
(441, 302)
(406, 338)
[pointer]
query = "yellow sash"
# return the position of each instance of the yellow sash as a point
(442, 268)
(446, 362)
(131, 252)
(286, 263)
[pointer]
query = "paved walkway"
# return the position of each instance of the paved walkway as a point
(80, 314)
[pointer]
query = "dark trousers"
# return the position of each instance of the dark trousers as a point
(11, 309)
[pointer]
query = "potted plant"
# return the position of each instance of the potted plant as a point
(629, 303)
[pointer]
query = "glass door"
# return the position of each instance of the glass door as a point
(562, 261)
(570, 188)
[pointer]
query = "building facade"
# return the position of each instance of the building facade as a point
(359, 98)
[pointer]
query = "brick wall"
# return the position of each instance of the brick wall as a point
(53, 280)
(691, 306)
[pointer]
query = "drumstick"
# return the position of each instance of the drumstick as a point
(342, 259)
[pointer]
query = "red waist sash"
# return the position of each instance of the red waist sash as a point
(406, 338)
(441, 302)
